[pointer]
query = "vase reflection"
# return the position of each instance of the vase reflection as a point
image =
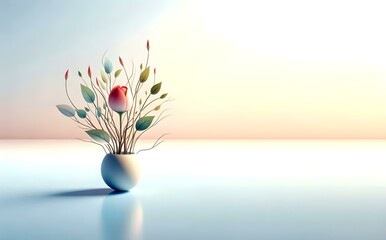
(121, 217)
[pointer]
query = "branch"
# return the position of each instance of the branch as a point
(154, 124)
(88, 141)
(155, 144)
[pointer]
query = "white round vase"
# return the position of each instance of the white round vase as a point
(121, 172)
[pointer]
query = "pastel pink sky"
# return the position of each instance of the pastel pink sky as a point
(247, 69)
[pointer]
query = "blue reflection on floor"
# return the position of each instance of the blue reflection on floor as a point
(243, 211)
(99, 213)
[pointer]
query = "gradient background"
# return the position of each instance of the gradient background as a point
(237, 69)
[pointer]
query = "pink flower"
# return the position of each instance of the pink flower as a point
(66, 74)
(118, 99)
(89, 71)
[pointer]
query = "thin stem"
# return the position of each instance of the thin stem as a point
(120, 132)
(84, 81)
(88, 141)
(94, 88)
(68, 96)
(155, 144)
(110, 81)
(132, 81)
(133, 117)
(90, 122)
(77, 121)
(128, 78)
(154, 124)
(147, 60)
(145, 106)
(105, 121)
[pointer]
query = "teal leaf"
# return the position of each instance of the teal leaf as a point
(87, 109)
(144, 75)
(108, 66)
(99, 112)
(88, 94)
(104, 105)
(143, 123)
(99, 135)
(67, 111)
(156, 88)
(81, 113)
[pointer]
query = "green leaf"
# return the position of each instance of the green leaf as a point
(156, 88)
(99, 135)
(144, 75)
(80, 74)
(103, 85)
(143, 123)
(116, 74)
(140, 101)
(87, 109)
(87, 93)
(104, 105)
(81, 113)
(99, 112)
(157, 108)
(163, 95)
(67, 111)
(104, 76)
(108, 66)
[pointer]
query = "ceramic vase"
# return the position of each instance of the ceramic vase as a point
(121, 172)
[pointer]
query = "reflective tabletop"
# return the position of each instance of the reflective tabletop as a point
(197, 189)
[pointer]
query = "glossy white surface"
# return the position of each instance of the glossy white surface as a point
(197, 190)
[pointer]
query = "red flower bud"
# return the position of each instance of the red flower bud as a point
(120, 61)
(66, 74)
(147, 45)
(89, 71)
(118, 99)
(155, 71)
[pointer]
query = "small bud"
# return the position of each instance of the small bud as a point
(89, 71)
(120, 61)
(155, 71)
(140, 66)
(147, 45)
(80, 74)
(66, 74)
(97, 81)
